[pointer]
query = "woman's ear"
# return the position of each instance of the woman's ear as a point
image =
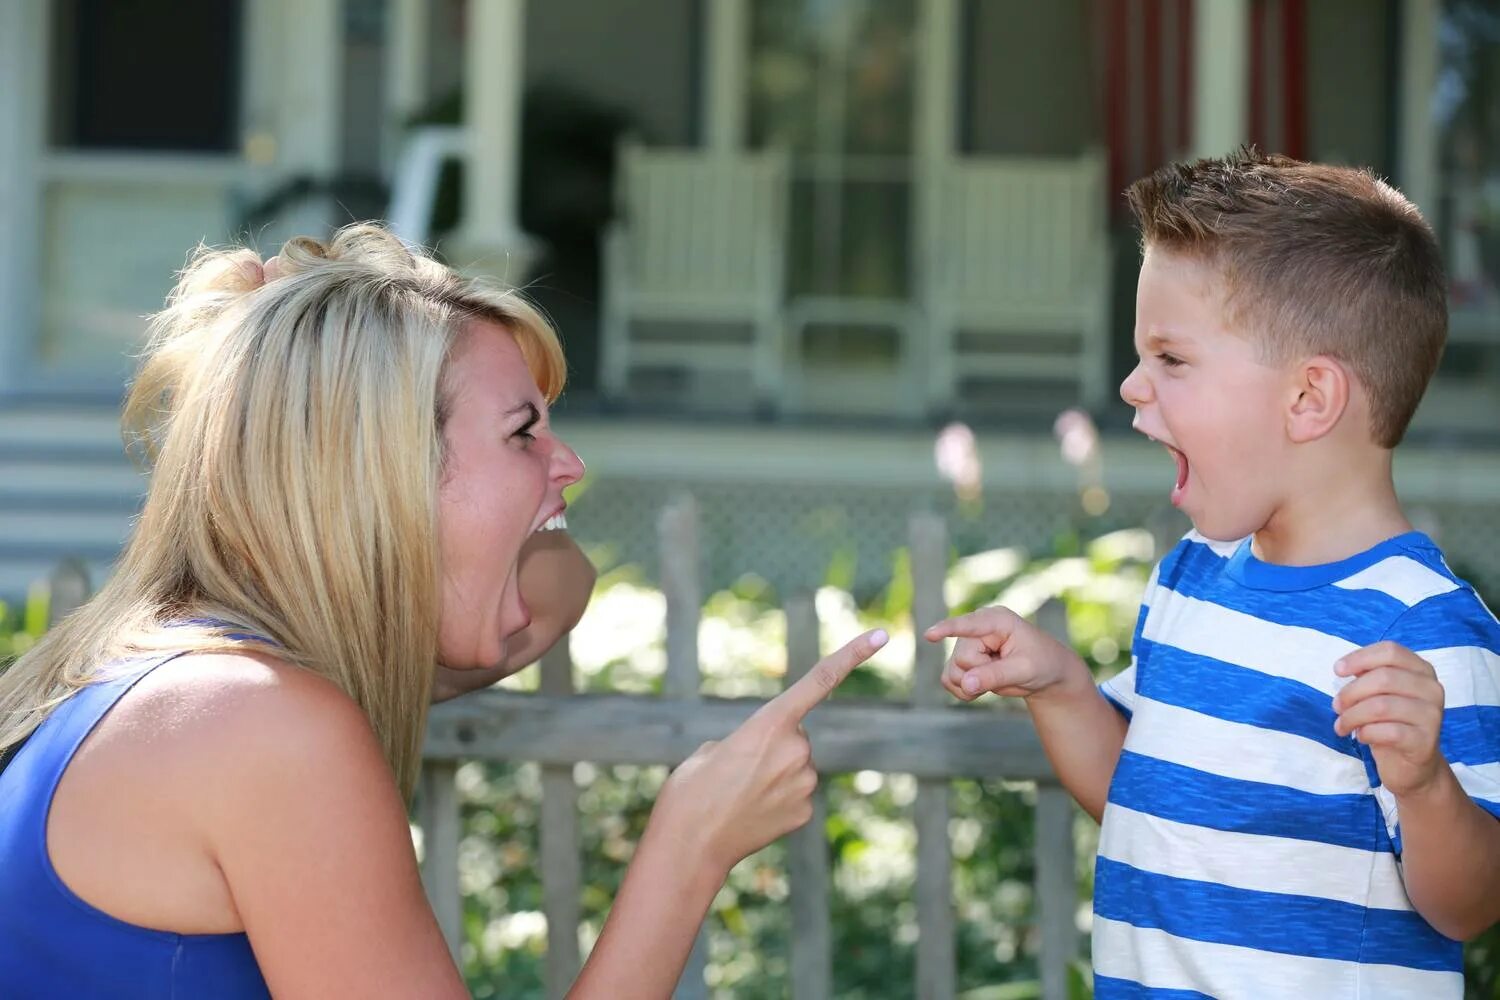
(1321, 398)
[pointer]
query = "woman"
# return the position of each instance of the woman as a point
(209, 762)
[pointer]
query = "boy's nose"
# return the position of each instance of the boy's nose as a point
(1136, 389)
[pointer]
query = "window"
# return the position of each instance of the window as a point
(146, 75)
(833, 83)
(1466, 109)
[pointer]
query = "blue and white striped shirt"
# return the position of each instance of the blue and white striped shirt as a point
(1247, 850)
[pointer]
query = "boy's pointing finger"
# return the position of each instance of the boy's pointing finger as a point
(989, 622)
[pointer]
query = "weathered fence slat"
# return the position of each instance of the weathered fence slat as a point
(678, 539)
(936, 958)
(847, 734)
(807, 848)
(1056, 886)
(1056, 889)
(562, 873)
(438, 807)
(67, 588)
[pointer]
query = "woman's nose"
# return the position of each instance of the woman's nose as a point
(566, 465)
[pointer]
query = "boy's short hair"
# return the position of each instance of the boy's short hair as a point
(1316, 259)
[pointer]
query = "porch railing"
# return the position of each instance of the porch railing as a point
(926, 737)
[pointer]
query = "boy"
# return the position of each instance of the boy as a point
(1293, 803)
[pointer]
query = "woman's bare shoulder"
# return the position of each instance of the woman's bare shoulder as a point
(286, 786)
(229, 724)
(231, 682)
(190, 770)
(239, 695)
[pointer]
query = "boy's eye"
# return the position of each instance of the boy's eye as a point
(1169, 360)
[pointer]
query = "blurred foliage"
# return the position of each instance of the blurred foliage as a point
(23, 625)
(1482, 966)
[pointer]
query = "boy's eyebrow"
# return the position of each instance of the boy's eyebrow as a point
(1156, 339)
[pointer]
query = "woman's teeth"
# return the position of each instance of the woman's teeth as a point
(557, 522)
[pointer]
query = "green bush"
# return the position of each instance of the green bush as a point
(21, 627)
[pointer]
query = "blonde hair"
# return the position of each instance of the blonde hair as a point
(293, 421)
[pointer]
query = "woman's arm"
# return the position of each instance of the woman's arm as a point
(727, 801)
(298, 809)
(556, 581)
(302, 815)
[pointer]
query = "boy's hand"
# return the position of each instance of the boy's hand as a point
(999, 651)
(1395, 706)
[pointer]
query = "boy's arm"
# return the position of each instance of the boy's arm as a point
(1450, 845)
(1081, 732)
(556, 581)
(1451, 857)
(1083, 735)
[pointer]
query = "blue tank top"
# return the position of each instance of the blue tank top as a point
(52, 943)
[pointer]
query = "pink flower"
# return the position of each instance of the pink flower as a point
(957, 455)
(1079, 438)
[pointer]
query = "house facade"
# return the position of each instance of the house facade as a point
(785, 240)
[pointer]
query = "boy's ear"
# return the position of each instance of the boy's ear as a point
(1322, 395)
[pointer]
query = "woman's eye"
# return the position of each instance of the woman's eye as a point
(524, 432)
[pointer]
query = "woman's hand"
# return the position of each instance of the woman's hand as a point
(740, 793)
(726, 801)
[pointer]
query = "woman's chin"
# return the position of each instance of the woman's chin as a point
(487, 658)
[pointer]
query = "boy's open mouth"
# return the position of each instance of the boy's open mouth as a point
(1180, 486)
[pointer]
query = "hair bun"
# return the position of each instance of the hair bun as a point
(218, 274)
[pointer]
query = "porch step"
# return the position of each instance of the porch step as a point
(95, 428)
(87, 533)
(75, 483)
(66, 490)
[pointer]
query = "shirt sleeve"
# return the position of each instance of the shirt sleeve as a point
(1119, 690)
(1459, 636)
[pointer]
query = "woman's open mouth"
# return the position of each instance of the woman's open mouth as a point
(555, 522)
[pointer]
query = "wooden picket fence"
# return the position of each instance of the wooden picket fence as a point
(928, 737)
